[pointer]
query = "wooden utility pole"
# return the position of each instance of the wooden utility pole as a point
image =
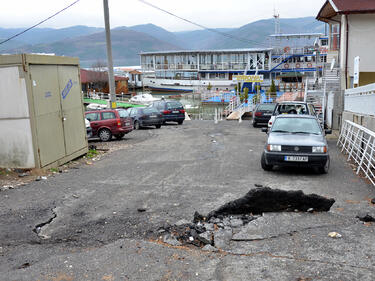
(111, 78)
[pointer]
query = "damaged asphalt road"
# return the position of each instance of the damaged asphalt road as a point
(114, 220)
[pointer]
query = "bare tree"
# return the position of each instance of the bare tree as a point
(99, 74)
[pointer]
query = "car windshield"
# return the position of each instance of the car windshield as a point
(149, 110)
(266, 107)
(291, 109)
(123, 113)
(296, 125)
(174, 105)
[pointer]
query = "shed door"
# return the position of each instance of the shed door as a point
(72, 112)
(48, 118)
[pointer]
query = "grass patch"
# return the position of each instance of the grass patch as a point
(91, 153)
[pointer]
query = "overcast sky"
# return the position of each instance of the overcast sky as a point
(211, 13)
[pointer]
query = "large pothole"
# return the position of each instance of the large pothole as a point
(216, 229)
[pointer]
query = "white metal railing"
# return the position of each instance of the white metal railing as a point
(216, 115)
(233, 104)
(222, 95)
(293, 51)
(359, 143)
(361, 100)
(245, 107)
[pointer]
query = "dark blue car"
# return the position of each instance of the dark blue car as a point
(145, 116)
(171, 110)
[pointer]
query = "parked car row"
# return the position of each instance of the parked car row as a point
(106, 123)
(295, 136)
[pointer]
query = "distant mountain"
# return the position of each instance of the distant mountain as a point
(200, 39)
(256, 33)
(158, 32)
(44, 35)
(126, 45)
(10, 44)
(88, 43)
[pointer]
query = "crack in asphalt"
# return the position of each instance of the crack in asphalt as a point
(223, 253)
(38, 228)
(302, 260)
(290, 233)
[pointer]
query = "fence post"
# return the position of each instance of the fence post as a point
(351, 151)
(360, 146)
(370, 158)
(364, 155)
(346, 138)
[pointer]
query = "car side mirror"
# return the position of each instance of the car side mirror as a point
(265, 130)
(328, 131)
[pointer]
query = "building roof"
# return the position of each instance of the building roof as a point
(249, 50)
(331, 8)
(129, 70)
(88, 76)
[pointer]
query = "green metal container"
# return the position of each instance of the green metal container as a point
(41, 111)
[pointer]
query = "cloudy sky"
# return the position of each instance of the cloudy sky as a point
(211, 13)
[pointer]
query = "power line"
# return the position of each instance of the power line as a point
(39, 23)
(202, 26)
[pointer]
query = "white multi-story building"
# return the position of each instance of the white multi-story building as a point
(188, 70)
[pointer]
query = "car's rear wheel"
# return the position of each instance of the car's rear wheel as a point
(105, 135)
(325, 168)
(264, 164)
(158, 126)
(180, 122)
(136, 125)
(119, 136)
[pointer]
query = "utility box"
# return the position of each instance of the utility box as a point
(41, 111)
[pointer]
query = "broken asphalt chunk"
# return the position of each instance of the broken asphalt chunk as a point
(205, 237)
(366, 218)
(222, 238)
(198, 217)
(171, 240)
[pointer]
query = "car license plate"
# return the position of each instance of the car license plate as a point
(175, 111)
(127, 124)
(296, 158)
(267, 114)
(153, 116)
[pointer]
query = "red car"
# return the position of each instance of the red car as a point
(109, 122)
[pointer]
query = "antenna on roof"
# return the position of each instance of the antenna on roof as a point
(277, 21)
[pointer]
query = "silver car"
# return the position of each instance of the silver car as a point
(296, 140)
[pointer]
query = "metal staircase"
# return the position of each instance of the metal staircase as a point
(328, 85)
(331, 78)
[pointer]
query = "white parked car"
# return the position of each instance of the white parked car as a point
(292, 107)
(88, 128)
